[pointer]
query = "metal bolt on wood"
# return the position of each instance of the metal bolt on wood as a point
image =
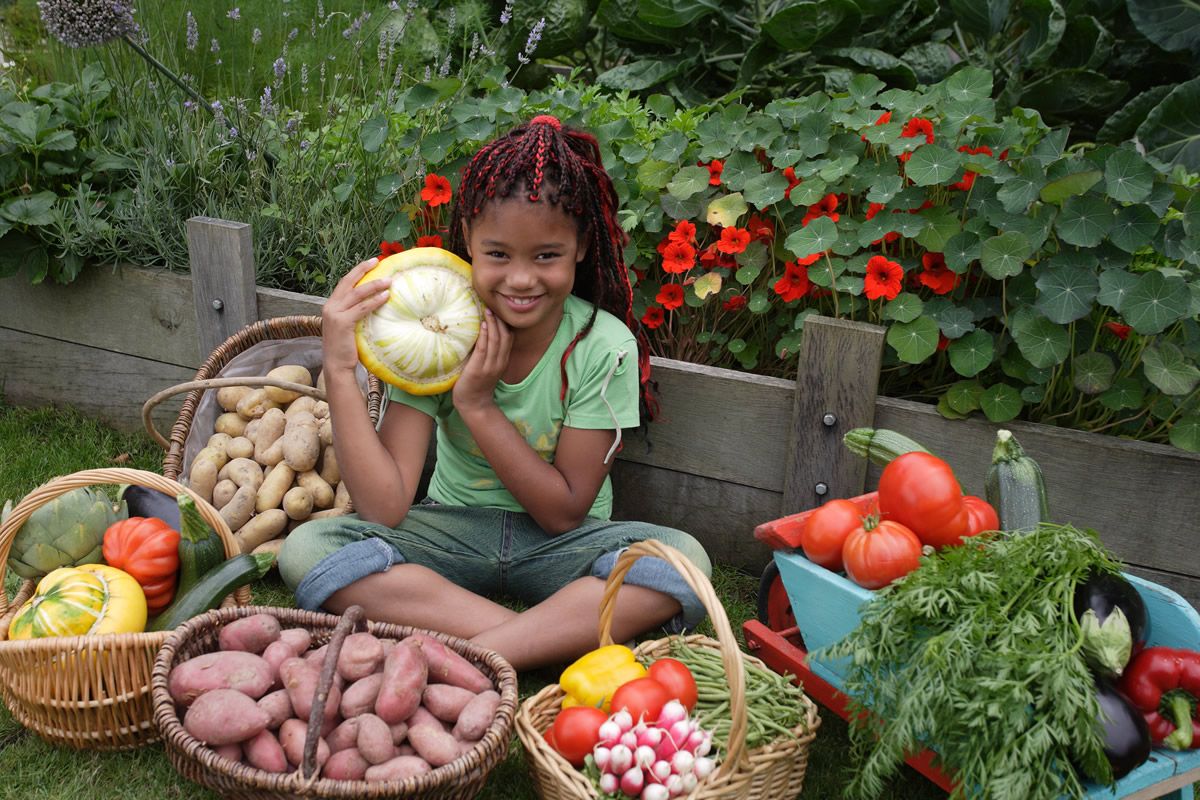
(829, 419)
(218, 304)
(821, 489)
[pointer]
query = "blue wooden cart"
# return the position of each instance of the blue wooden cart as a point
(825, 608)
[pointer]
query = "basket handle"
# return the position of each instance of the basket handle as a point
(217, 383)
(59, 486)
(735, 669)
(350, 619)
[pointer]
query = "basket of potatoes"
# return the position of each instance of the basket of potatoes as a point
(254, 436)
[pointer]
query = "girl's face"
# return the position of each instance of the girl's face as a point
(523, 258)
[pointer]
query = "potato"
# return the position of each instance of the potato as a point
(322, 493)
(274, 547)
(405, 674)
(261, 528)
(251, 431)
(243, 472)
(446, 702)
(301, 403)
(359, 696)
(237, 512)
(239, 447)
(276, 704)
(203, 478)
(219, 442)
(231, 751)
(224, 716)
(230, 423)
(325, 432)
(299, 639)
(250, 634)
(434, 745)
(398, 769)
(265, 752)
(255, 404)
(405, 749)
(300, 678)
(274, 486)
(422, 717)
(399, 733)
(228, 396)
(447, 666)
(297, 502)
(293, 373)
(247, 673)
(270, 428)
(320, 409)
(476, 717)
(317, 655)
(291, 736)
(375, 739)
(344, 736)
(328, 468)
(223, 492)
(301, 443)
(361, 655)
(345, 765)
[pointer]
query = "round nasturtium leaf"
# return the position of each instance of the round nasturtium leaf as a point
(1185, 433)
(726, 210)
(1084, 220)
(1042, 342)
(1004, 256)
(963, 396)
(1001, 402)
(1169, 369)
(1065, 293)
(1155, 302)
(420, 338)
(972, 354)
(1134, 227)
(1125, 393)
(914, 341)
(816, 237)
(1127, 177)
(1093, 372)
(905, 308)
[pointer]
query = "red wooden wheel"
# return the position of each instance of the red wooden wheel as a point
(775, 607)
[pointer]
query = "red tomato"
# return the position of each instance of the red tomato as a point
(983, 517)
(575, 731)
(919, 491)
(826, 530)
(677, 679)
(877, 555)
(643, 698)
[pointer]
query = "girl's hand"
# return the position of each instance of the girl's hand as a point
(345, 307)
(485, 365)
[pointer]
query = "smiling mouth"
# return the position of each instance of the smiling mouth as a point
(521, 302)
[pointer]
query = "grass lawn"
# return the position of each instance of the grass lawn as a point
(37, 445)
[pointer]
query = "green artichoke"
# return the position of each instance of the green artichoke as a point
(62, 533)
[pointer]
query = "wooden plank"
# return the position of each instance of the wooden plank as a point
(36, 371)
(138, 312)
(279, 303)
(1134, 494)
(836, 382)
(717, 423)
(222, 264)
(720, 515)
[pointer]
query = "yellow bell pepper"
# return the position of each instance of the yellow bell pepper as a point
(592, 679)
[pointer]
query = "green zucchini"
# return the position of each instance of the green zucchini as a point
(879, 445)
(212, 588)
(200, 548)
(1015, 486)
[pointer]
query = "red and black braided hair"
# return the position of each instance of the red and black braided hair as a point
(544, 159)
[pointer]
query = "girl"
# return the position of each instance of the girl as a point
(520, 498)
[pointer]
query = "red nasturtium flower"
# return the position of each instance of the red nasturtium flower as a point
(884, 119)
(968, 178)
(733, 240)
(735, 303)
(684, 232)
(432, 240)
(670, 295)
(678, 257)
(793, 181)
(712, 258)
(1118, 330)
(761, 228)
(653, 317)
(890, 236)
(714, 167)
(936, 275)
(913, 129)
(436, 191)
(943, 342)
(825, 207)
(883, 278)
(795, 283)
(390, 249)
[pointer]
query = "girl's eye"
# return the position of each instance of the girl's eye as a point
(495, 254)
(547, 256)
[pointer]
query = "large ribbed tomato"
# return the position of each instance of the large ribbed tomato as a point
(148, 549)
(877, 554)
(919, 491)
(825, 532)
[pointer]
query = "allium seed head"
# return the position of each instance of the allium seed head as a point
(82, 23)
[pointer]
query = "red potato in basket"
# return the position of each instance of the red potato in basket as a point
(244, 672)
(398, 769)
(278, 707)
(224, 716)
(477, 717)
(291, 737)
(360, 656)
(446, 702)
(266, 753)
(375, 739)
(447, 666)
(250, 634)
(405, 674)
(300, 679)
(435, 745)
(346, 765)
(359, 697)
(299, 639)
(344, 736)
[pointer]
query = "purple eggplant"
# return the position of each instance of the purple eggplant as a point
(1113, 618)
(1126, 735)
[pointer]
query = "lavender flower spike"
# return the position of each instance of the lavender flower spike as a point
(193, 32)
(81, 23)
(535, 36)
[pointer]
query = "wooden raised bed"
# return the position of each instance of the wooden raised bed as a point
(730, 451)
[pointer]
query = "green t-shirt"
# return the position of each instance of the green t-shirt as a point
(463, 477)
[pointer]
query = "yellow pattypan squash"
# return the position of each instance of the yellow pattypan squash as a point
(76, 601)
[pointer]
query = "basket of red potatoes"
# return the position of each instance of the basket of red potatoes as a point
(279, 702)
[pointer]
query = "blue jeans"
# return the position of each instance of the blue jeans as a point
(489, 551)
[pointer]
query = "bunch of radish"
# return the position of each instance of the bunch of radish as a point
(652, 760)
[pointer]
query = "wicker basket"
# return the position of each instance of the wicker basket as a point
(773, 771)
(461, 778)
(208, 377)
(87, 692)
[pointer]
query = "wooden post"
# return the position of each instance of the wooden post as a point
(836, 383)
(222, 261)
